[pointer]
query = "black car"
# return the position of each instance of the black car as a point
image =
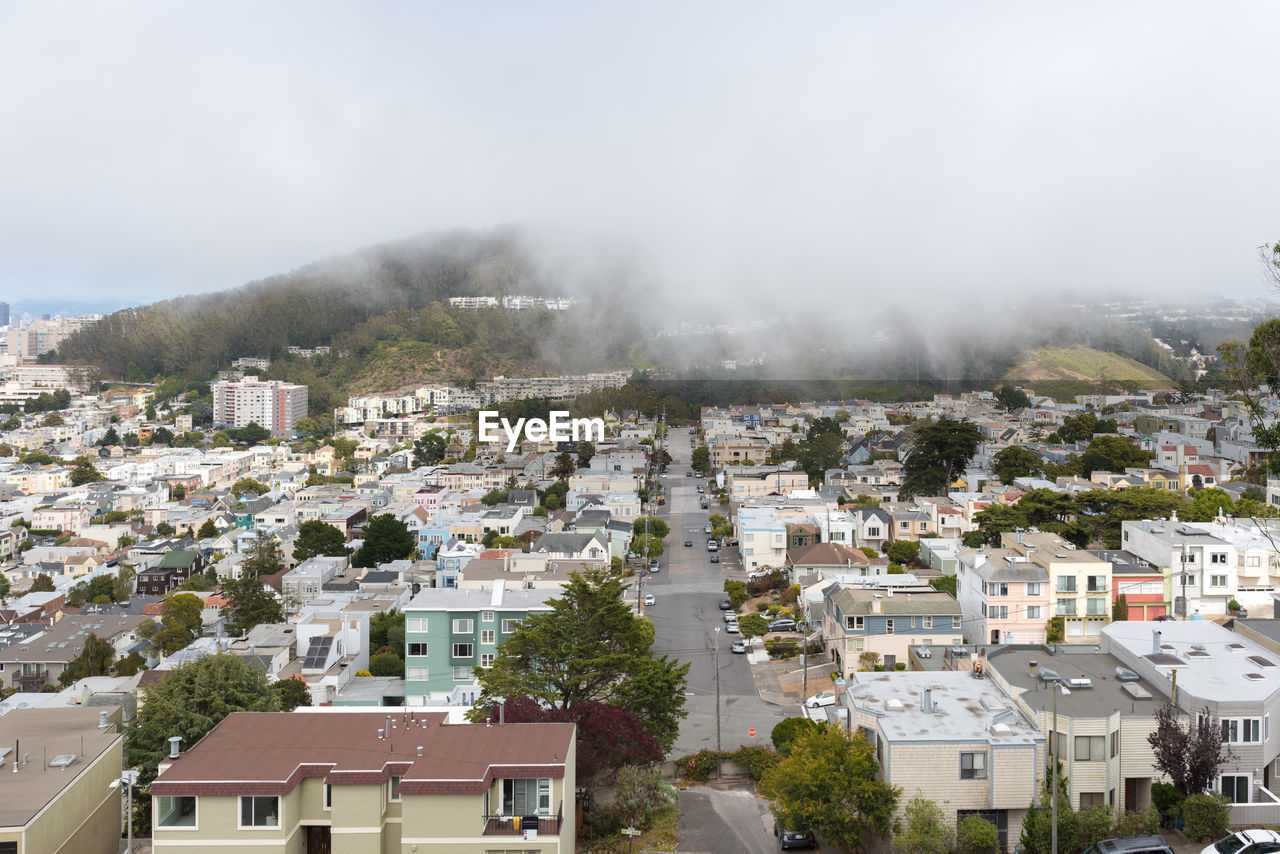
(726, 605)
(715, 558)
(688, 544)
(795, 838)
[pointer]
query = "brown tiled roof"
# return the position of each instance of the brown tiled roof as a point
(269, 753)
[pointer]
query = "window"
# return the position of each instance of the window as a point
(464, 650)
(1033, 589)
(486, 616)
(906, 526)
(1066, 607)
(462, 674)
(998, 612)
(1115, 744)
(927, 622)
(1236, 787)
(486, 659)
(1090, 748)
(955, 623)
(259, 811)
(176, 811)
(855, 623)
(873, 532)
(486, 636)
(463, 627)
(973, 766)
(395, 788)
(1218, 558)
(1033, 612)
(417, 624)
(509, 626)
(1066, 584)
(888, 626)
(418, 648)
(1241, 730)
(1090, 799)
(526, 796)
(418, 673)
(1217, 581)
(1096, 583)
(1253, 560)
(997, 589)
(1095, 606)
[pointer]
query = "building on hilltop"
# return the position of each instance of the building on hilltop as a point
(274, 405)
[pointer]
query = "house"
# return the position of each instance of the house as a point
(573, 546)
(449, 633)
(1080, 582)
(1004, 596)
(1146, 588)
(957, 741)
(867, 620)
(369, 782)
(806, 562)
(175, 567)
(1204, 567)
(872, 527)
(29, 662)
(64, 800)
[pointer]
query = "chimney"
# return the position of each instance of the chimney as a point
(102, 720)
(502, 713)
(927, 701)
(875, 603)
(1155, 641)
(419, 749)
(889, 592)
(174, 741)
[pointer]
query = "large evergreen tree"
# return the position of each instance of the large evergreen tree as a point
(386, 538)
(938, 449)
(250, 603)
(318, 538)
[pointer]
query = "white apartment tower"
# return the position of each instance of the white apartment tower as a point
(274, 405)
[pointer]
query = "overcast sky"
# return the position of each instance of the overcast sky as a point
(925, 149)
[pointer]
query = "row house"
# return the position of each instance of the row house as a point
(743, 484)
(1146, 588)
(173, 569)
(867, 620)
(1204, 568)
(1004, 597)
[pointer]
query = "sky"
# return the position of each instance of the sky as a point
(932, 153)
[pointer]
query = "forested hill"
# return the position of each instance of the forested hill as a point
(325, 303)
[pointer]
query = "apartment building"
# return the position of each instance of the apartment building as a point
(861, 620)
(1204, 567)
(59, 796)
(958, 741)
(274, 405)
(1080, 582)
(450, 632)
(1004, 596)
(755, 483)
(368, 782)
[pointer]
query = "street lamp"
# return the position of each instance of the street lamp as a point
(127, 779)
(717, 665)
(1053, 764)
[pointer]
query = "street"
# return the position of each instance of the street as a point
(688, 590)
(727, 818)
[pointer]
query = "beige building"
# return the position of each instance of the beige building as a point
(337, 782)
(954, 739)
(69, 805)
(1079, 582)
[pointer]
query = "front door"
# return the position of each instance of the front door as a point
(319, 840)
(890, 661)
(1130, 795)
(995, 636)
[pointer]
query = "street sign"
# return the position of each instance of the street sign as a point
(751, 733)
(630, 831)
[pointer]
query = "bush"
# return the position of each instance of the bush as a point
(925, 829)
(602, 823)
(1091, 825)
(757, 758)
(762, 606)
(638, 796)
(976, 835)
(1138, 823)
(697, 767)
(737, 592)
(901, 665)
(788, 730)
(782, 648)
(1205, 817)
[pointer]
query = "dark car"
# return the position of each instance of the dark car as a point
(1131, 845)
(783, 625)
(726, 605)
(715, 558)
(795, 838)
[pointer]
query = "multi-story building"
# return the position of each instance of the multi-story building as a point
(858, 621)
(59, 796)
(450, 632)
(368, 782)
(1004, 596)
(957, 741)
(274, 405)
(1203, 566)
(1080, 582)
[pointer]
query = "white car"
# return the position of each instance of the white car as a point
(1246, 842)
(732, 628)
(823, 698)
(706, 529)
(730, 617)
(648, 599)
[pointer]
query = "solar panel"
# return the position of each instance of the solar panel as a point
(317, 652)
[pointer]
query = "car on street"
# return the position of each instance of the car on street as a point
(726, 605)
(700, 489)
(730, 617)
(715, 558)
(783, 625)
(738, 647)
(1245, 842)
(732, 628)
(713, 546)
(706, 529)
(648, 599)
(688, 544)
(688, 474)
(794, 838)
(822, 698)
(653, 566)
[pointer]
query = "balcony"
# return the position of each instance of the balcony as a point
(497, 825)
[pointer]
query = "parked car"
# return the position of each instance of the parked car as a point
(738, 647)
(730, 617)
(706, 529)
(783, 625)
(688, 544)
(648, 599)
(726, 605)
(688, 474)
(715, 558)
(1241, 842)
(794, 838)
(1133, 845)
(822, 698)
(732, 628)
(713, 546)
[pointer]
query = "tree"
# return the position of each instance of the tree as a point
(387, 629)
(701, 459)
(95, 659)
(637, 796)
(430, 449)
(563, 467)
(828, 784)
(249, 486)
(788, 730)
(1189, 756)
(162, 436)
(208, 530)
(164, 529)
(1012, 398)
(164, 638)
(252, 433)
(4, 590)
(753, 626)
(944, 584)
(184, 610)
(42, 583)
(249, 602)
(1013, 462)
(819, 452)
(650, 546)
(1208, 504)
(111, 437)
(386, 664)
(177, 492)
(291, 693)
(656, 527)
(925, 829)
(586, 451)
(869, 660)
(1120, 610)
(1112, 453)
(318, 538)
(590, 647)
(386, 538)
(83, 471)
(53, 419)
(902, 551)
(937, 450)
(122, 587)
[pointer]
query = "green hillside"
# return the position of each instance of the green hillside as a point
(1083, 364)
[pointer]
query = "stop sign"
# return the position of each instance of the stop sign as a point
(751, 733)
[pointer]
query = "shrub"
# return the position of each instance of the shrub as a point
(788, 730)
(737, 592)
(924, 830)
(762, 606)
(976, 835)
(638, 796)
(1233, 605)
(781, 648)
(757, 758)
(1138, 823)
(901, 665)
(697, 767)
(1091, 825)
(602, 823)
(1206, 817)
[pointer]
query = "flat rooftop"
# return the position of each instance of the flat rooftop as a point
(53, 733)
(1105, 694)
(965, 708)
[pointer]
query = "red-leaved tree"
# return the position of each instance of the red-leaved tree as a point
(608, 737)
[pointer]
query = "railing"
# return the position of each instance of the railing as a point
(1263, 810)
(498, 825)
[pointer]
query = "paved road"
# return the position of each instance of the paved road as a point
(688, 590)
(732, 818)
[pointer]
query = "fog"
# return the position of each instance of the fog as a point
(824, 158)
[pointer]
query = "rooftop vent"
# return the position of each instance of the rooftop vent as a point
(62, 760)
(1236, 647)
(1254, 677)
(1167, 646)
(1078, 682)
(1260, 661)
(1001, 729)
(1199, 646)
(1124, 674)
(893, 704)
(1198, 653)
(1136, 691)
(1047, 675)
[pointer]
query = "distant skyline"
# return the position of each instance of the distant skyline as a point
(904, 152)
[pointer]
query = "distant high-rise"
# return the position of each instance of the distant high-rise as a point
(274, 405)
(4, 314)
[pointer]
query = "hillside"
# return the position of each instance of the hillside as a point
(1082, 364)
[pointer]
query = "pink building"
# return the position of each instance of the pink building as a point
(1005, 597)
(430, 498)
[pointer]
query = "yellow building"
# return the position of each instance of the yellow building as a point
(69, 805)
(363, 782)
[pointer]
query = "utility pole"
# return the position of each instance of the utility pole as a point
(1053, 795)
(717, 663)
